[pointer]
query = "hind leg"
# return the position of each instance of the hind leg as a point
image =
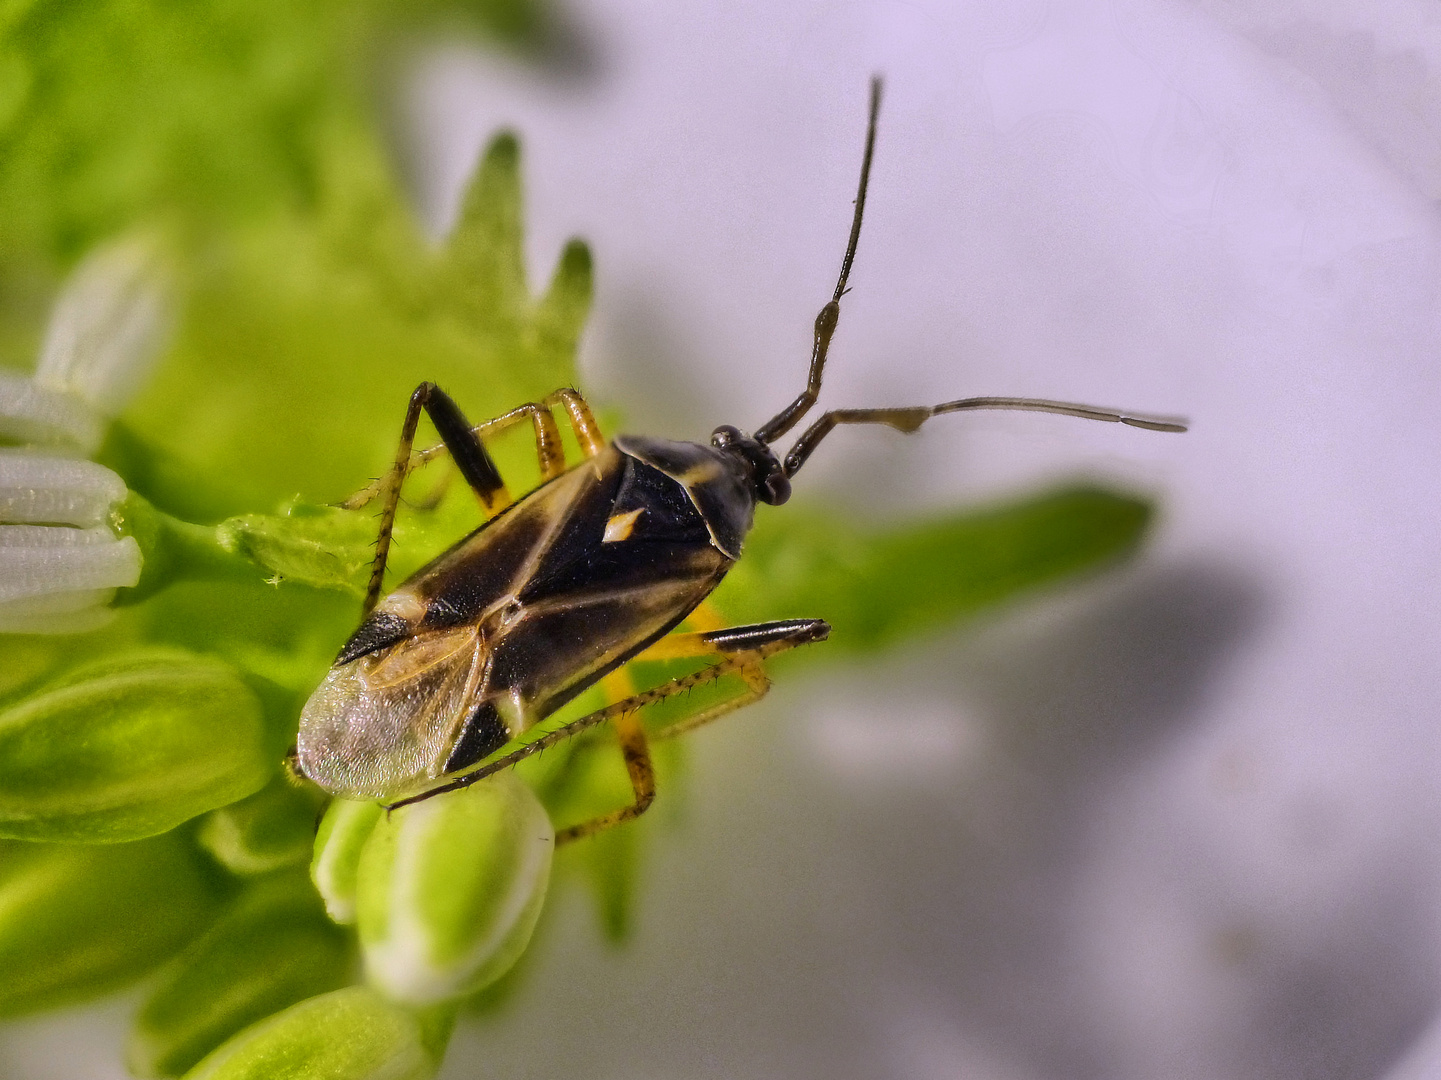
(742, 651)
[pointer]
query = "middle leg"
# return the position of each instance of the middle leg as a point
(549, 452)
(547, 447)
(635, 750)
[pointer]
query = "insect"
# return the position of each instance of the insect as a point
(559, 590)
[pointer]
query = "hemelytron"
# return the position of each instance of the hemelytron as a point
(597, 566)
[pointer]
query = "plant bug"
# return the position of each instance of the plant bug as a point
(560, 589)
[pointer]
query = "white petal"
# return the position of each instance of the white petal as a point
(64, 603)
(30, 412)
(38, 488)
(40, 536)
(63, 613)
(109, 324)
(40, 571)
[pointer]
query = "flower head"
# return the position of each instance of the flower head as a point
(60, 560)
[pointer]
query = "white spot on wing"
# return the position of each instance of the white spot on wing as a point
(404, 605)
(621, 526)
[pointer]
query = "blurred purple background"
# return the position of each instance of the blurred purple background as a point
(1180, 821)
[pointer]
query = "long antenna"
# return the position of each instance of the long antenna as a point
(909, 418)
(831, 313)
(875, 112)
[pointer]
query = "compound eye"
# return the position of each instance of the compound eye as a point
(724, 436)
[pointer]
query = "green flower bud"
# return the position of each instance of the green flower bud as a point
(346, 827)
(350, 1034)
(449, 889)
(81, 920)
(129, 747)
(273, 828)
(272, 948)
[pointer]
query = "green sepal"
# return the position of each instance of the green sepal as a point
(328, 547)
(349, 1034)
(77, 921)
(270, 949)
(322, 546)
(484, 261)
(560, 316)
(272, 829)
(449, 890)
(129, 747)
(344, 829)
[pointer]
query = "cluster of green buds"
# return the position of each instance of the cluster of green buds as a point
(147, 826)
(444, 894)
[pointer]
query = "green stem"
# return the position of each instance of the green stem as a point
(175, 550)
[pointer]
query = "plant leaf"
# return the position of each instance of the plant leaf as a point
(878, 587)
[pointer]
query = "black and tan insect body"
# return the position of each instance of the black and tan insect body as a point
(525, 613)
(558, 590)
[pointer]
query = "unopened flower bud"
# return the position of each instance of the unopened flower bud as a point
(270, 949)
(79, 920)
(59, 563)
(129, 747)
(449, 889)
(346, 827)
(272, 829)
(350, 1034)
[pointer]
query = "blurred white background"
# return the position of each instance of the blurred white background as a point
(1180, 821)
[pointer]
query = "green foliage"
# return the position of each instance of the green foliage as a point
(218, 111)
(306, 337)
(243, 131)
(877, 586)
